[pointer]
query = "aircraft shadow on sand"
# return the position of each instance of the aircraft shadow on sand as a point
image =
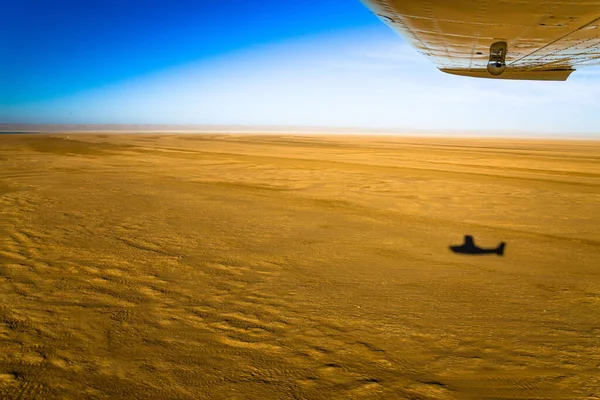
(469, 247)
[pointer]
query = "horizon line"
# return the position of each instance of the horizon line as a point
(281, 129)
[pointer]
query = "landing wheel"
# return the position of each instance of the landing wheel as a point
(497, 63)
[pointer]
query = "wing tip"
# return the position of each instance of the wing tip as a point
(531, 75)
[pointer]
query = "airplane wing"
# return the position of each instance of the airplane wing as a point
(506, 39)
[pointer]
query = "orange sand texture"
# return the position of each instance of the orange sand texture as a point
(308, 267)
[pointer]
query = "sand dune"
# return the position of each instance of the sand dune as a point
(284, 267)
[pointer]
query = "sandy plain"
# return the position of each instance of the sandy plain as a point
(282, 267)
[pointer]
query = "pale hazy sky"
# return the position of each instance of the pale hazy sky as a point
(353, 77)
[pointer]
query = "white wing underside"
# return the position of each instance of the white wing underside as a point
(547, 39)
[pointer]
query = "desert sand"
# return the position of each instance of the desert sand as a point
(297, 267)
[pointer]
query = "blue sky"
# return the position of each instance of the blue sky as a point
(304, 63)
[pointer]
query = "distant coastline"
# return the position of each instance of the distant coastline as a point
(18, 132)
